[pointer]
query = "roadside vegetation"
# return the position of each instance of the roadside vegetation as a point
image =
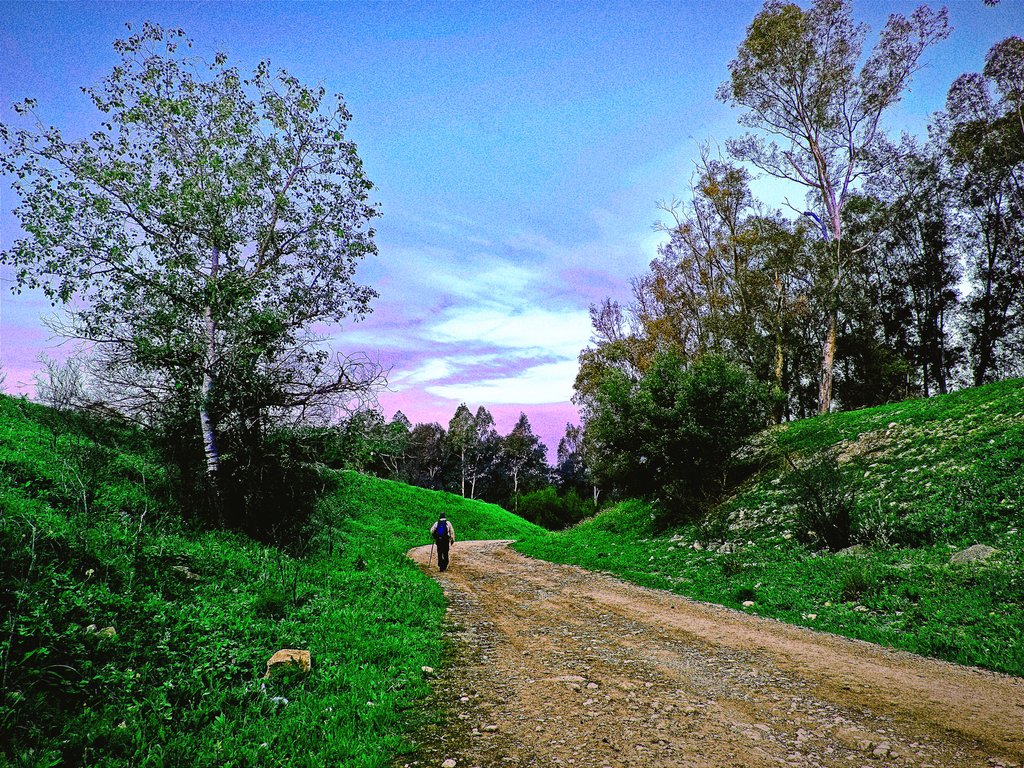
(920, 480)
(130, 639)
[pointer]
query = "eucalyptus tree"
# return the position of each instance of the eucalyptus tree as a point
(524, 457)
(800, 78)
(483, 452)
(461, 437)
(200, 234)
(984, 140)
(916, 256)
(427, 455)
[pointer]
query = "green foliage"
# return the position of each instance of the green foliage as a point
(205, 228)
(548, 509)
(932, 476)
(672, 435)
(89, 540)
(824, 501)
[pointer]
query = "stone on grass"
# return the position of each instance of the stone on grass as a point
(427, 670)
(979, 553)
(107, 632)
(184, 573)
(288, 658)
(857, 550)
(449, 763)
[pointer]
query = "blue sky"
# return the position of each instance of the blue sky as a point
(518, 149)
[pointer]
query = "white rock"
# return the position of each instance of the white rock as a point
(747, 603)
(979, 553)
(449, 763)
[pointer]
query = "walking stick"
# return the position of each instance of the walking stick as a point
(430, 559)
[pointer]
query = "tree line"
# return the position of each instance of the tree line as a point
(900, 274)
(468, 457)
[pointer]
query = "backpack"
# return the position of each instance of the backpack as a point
(441, 533)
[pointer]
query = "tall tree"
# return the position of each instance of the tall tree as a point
(798, 75)
(916, 255)
(695, 299)
(985, 144)
(206, 226)
(427, 455)
(483, 449)
(524, 458)
(571, 469)
(461, 438)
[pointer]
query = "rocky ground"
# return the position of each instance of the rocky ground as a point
(553, 665)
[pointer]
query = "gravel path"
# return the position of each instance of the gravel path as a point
(558, 666)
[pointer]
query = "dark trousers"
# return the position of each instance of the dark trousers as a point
(442, 554)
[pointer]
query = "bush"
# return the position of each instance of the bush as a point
(823, 499)
(549, 510)
(857, 580)
(672, 436)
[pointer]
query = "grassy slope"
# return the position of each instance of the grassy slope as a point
(180, 683)
(932, 475)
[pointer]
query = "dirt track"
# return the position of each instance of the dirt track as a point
(558, 666)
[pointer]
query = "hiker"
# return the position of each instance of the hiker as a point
(444, 537)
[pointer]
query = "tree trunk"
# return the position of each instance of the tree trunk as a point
(828, 356)
(828, 352)
(209, 436)
(462, 459)
(779, 359)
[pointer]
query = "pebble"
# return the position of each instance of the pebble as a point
(449, 763)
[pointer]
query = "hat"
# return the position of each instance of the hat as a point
(442, 515)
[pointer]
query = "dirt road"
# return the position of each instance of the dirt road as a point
(557, 666)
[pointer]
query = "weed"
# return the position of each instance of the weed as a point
(857, 580)
(823, 499)
(732, 565)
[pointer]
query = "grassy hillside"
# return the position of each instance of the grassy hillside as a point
(131, 640)
(929, 477)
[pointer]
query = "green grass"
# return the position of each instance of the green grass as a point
(88, 540)
(931, 477)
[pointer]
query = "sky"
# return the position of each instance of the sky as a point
(518, 152)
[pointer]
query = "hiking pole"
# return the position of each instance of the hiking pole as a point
(431, 558)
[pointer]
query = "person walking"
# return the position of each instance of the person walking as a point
(444, 537)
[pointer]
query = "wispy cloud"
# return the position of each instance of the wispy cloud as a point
(561, 333)
(548, 383)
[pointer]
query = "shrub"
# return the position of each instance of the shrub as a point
(672, 435)
(874, 526)
(823, 499)
(857, 580)
(732, 565)
(548, 509)
(714, 526)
